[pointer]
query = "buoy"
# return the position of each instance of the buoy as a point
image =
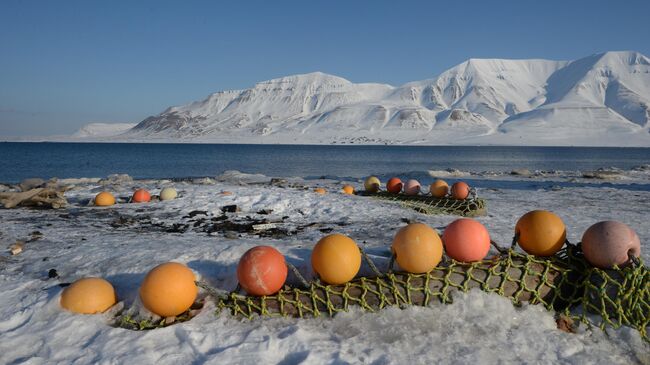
(372, 184)
(394, 185)
(336, 259)
(460, 190)
(466, 240)
(412, 187)
(104, 199)
(610, 243)
(320, 191)
(439, 188)
(262, 271)
(168, 289)
(541, 233)
(141, 196)
(417, 248)
(168, 194)
(348, 189)
(88, 296)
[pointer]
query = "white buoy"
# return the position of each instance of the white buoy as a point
(168, 194)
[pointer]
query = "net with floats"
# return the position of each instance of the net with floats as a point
(564, 283)
(472, 206)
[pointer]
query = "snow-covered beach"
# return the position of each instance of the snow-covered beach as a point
(123, 242)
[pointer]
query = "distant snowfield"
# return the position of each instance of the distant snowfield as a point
(477, 327)
(94, 130)
(599, 100)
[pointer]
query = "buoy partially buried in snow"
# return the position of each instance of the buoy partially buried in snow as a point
(541, 233)
(336, 259)
(320, 191)
(610, 243)
(439, 188)
(394, 185)
(372, 184)
(417, 248)
(168, 289)
(466, 240)
(412, 187)
(262, 270)
(141, 196)
(348, 189)
(168, 194)
(460, 190)
(88, 296)
(104, 199)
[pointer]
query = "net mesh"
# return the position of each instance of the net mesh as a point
(428, 204)
(563, 283)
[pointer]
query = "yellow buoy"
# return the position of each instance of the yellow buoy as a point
(439, 188)
(372, 184)
(417, 248)
(541, 233)
(104, 199)
(336, 259)
(88, 296)
(168, 289)
(348, 189)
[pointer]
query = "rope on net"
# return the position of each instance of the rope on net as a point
(472, 206)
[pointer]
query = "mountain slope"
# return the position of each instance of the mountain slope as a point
(601, 99)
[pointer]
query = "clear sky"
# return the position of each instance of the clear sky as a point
(66, 63)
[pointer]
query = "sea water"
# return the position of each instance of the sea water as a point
(147, 160)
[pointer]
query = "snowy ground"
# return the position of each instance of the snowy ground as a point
(123, 242)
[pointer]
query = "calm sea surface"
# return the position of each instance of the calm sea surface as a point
(23, 160)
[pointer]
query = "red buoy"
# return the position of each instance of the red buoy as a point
(394, 185)
(262, 270)
(141, 196)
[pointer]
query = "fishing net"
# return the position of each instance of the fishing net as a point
(564, 283)
(471, 207)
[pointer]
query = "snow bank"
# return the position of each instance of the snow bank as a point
(123, 242)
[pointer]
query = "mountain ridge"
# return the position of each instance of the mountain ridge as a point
(602, 99)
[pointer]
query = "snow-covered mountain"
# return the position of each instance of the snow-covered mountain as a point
(602, 99)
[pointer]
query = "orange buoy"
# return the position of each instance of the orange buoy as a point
(88, 296)
(541, 233)
(460, 190)
(168, 289)
(417, 248)
(394, 185)
(412, 187)
(466, 240)
(348, 189)
(336, 259)
(141, 196)
(372, 184)
(262, 271)
(610, 243)
(104, 199)
(439, 188)
(320, 191)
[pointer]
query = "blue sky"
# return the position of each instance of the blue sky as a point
(64, 64)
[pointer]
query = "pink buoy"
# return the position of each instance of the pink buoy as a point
(412, 187)
(610, 243)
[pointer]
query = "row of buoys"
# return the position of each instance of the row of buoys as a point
(104, 198)
(418, 248)
(170, 289)
(439, 188)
